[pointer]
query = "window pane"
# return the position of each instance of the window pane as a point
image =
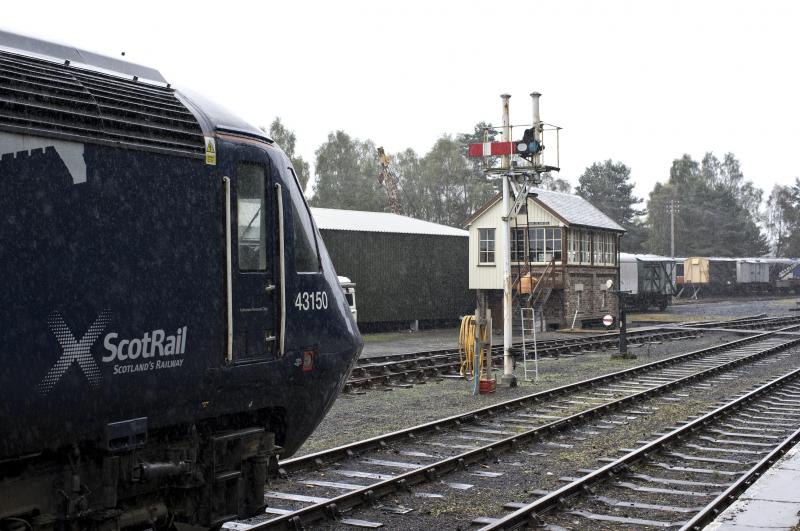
(486, 245)
(251, 217)
(306, 257)
(305, 252)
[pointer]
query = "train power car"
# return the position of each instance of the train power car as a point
(647, 280)
(170, 321)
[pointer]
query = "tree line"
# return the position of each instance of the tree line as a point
(717, 211)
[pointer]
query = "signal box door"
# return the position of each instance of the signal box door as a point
(254, 240)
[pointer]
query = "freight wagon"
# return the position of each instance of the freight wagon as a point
(647, 279)
(735, 276)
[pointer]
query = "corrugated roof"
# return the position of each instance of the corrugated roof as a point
(630, 257)
(575, 210)
(360, 221)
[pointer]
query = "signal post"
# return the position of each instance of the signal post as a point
(518, 178)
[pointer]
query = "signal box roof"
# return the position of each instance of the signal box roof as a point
(571, 209)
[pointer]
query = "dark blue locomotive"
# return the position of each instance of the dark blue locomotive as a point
(170, 321)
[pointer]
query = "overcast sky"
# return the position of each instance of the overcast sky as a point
(638, 82)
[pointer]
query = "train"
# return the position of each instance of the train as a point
(647, 280)
(652, 281)
(170, 323)
(699, 276)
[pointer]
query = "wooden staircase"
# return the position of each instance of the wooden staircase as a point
(537, 298)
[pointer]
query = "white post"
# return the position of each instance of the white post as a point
(537, 134)
(508, 362)
(672, 228)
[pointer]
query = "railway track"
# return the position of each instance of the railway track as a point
(417, 367)
(401, 369)
(753, 323)
(370, 470)
(683, 478)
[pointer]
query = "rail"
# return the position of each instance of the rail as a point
(327, 507)
(529, 515)
(547, 274)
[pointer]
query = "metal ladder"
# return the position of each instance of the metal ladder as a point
(528, 324)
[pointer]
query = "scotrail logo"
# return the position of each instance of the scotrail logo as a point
(144, 353)
(74, 350)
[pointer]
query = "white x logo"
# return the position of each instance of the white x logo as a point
(73, 350)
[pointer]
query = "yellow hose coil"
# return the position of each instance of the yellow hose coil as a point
(466, 347)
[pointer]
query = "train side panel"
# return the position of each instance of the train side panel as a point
(106, 310)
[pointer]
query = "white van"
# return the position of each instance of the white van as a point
(349, 289)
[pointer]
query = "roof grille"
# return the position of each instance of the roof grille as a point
(40, 97)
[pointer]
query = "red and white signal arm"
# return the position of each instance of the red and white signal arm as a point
(491, 149)
(608, 319)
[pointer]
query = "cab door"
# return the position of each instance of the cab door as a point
(254, 241)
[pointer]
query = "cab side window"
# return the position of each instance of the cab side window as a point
(306, 259)
(251, 217)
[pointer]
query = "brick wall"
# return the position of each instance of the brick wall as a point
(560, 309)
(593, 302)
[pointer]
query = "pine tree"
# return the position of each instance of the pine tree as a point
(717, 213)
(607, 185)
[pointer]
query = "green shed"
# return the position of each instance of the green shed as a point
(408, 272)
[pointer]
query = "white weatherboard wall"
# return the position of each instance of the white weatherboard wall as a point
(538, 215)
(486, 276)
(491, 276)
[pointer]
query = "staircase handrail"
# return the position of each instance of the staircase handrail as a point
(538, 289)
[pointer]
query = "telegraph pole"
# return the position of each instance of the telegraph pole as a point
(672, 206)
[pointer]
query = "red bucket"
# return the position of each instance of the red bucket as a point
(487, 386)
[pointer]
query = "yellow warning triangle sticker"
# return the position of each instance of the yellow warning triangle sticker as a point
(211, 151)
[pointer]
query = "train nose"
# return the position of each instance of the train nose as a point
(356, 342)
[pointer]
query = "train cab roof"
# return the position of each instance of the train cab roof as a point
(73, 94)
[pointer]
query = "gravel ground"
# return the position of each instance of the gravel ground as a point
(523, 474)
(358, 416)
(733, 308)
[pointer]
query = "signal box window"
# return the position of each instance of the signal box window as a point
(486, 246)
(545, 244)
(518, 245)
(251, 217)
